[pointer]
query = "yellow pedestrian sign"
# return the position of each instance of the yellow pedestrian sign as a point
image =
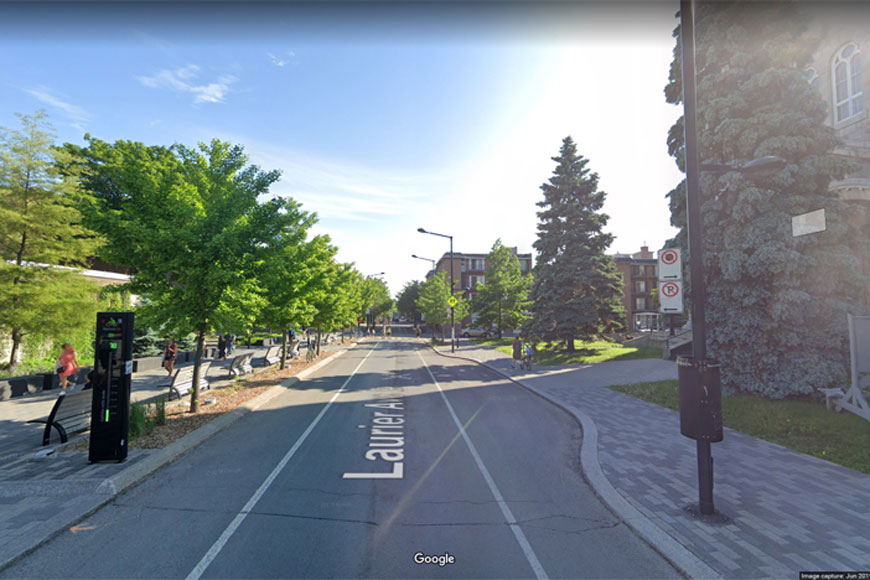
(452, 301)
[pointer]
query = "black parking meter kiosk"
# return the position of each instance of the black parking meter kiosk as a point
(113, 367)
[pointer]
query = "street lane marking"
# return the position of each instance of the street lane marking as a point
(493, 488)
(237, 521)
(386, 439)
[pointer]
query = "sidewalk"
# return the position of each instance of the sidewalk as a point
(40, 497)
(18, 437)
(781, 512)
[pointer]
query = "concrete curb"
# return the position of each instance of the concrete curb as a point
(686, 562)
(111, 487)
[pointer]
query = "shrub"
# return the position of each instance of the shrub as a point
(138, 420)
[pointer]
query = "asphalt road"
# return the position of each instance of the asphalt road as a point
(353, 472)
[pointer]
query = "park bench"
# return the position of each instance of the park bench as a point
(182, 382)
(71, 413)
(273, 355)
(241, 365)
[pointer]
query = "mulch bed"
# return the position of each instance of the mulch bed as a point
(179, 420)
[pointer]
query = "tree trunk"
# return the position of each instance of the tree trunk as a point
(284, 349)
(342, 336)
(17, 335)
(197, 363)
(570, 344)
(318, 341)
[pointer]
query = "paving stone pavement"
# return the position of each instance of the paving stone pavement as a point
(784, 512)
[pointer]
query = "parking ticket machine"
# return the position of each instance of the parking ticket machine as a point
(110, 406)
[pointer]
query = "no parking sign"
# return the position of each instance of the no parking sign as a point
(671, 296)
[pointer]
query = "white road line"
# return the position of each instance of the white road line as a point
(237, 521)
(493, 488)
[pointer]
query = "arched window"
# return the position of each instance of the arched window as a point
(848, 93)
(812, 77)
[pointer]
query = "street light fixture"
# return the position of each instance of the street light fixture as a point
(700, 394)
(452, 320)
(422, 258)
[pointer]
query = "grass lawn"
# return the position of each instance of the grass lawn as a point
(586, 352)
(802, 425)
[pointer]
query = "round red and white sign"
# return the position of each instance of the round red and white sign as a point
(670, 289)
(670, 257)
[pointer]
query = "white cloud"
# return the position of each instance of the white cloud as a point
(77, 115)
(282, 59)
(182, 80)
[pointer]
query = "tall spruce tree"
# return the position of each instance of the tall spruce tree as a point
(776, 304)
(502, 299)
(577, 291)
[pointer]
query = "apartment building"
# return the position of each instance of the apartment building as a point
(640, 276)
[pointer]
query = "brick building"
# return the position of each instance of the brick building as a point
(640, 276)
(469, 270)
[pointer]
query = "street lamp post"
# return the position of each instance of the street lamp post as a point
(452, 321)
(705, 374)
(422, 258)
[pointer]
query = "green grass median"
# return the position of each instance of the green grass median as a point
(585, 352)
(800, 424)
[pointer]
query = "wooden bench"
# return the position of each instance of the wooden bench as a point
(273, 355)
(182, 382)
(241, 365)
(71, 413)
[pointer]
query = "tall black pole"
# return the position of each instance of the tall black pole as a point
(695, 227)
(452, 324)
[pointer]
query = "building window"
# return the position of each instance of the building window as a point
(812, 78)
(462, 264)
(848, 91)
(640, 286)
(473, 281)
(476, 264)
(640, 303)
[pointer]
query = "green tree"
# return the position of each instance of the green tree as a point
(376, 298)
(502, 300)
(433, 302)
(285, 268)
(776, 304)
(40, 229)
(406, 301)
(189, 222)
(577, 291)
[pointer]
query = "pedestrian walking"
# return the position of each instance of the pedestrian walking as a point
(231, 343)
(517, 345)
(67, 365)
(169, 356)
(222, 347)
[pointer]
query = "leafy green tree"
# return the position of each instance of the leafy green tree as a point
(406, 301)
(502, 300)
(376, 298)
(40, 229)
(189, 222)
(433, 302)
(285, 268)
(776, 304)
(577, 291)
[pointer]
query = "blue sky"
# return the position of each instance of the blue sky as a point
(382, 117)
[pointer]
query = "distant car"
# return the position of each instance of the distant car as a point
(474, 332)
